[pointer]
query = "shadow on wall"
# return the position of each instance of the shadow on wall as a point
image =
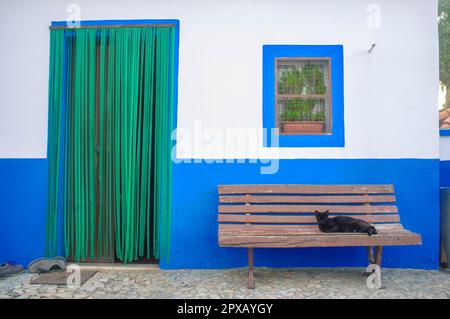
(444, 173)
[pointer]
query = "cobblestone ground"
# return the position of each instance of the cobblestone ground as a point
(270, 283)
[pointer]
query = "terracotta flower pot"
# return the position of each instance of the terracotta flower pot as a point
(303, 127)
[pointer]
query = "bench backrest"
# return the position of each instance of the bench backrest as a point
(295, 204)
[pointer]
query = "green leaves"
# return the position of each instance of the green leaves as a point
(319, 116)
(300, 109)
(307, 79)
(291, 82)
(302, 87)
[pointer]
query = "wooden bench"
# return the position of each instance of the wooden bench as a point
(282, 216)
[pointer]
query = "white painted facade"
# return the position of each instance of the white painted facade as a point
(390, 95)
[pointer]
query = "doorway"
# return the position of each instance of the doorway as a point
(109, 147)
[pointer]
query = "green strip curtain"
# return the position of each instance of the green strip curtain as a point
(110, 122)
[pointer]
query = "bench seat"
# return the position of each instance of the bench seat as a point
(260, 236)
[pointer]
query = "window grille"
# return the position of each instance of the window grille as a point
(303, 96)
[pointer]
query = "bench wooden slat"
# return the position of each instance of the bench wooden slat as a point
(283, 219)
(321, 240)
(344, 199)
(356, 209)
(305, 189)
(288, 230)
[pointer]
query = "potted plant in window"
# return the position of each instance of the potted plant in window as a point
(299, 117)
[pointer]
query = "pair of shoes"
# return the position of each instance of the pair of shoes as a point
(9, 268)
(42, 265)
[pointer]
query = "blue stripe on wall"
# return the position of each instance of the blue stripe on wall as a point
(194, 217)
(23, 198)
(23, 209)
(444, 167)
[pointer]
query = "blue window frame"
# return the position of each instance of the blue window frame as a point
(334, 135)
(444, 132)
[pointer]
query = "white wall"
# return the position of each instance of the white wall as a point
(390, 95)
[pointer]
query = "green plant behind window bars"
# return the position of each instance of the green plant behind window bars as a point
(109, 142)
(302, 79)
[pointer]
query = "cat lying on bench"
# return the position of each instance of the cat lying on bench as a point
(343, 224)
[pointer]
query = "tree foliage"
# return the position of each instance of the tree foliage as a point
(444, 44)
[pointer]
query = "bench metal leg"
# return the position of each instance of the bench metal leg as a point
(370, 254)
(251, 280)
(378, 253)
(371, 259)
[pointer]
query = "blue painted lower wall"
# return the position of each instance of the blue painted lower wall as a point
(194, 218)
(23, 202)
(23, 209)
(444, 167)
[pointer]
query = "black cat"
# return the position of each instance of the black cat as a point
(343, 224)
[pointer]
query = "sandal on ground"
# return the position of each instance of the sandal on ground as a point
(10, 269)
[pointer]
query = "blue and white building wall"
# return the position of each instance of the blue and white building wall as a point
(389, 113)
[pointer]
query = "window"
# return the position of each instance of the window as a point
(303, 95)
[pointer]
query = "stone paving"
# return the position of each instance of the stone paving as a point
(270, 283)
